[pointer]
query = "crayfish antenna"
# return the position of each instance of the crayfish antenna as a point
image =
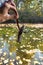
(20, 33)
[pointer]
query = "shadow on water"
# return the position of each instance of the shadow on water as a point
(28, 52)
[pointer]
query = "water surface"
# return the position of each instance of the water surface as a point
(28, 52)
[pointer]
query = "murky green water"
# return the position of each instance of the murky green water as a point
(28, 52)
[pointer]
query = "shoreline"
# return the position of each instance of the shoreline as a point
(25, 24)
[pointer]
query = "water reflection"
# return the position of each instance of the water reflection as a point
(38, 58)
(29, 52)
(7, 57)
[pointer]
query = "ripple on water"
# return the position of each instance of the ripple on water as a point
(27, 52)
